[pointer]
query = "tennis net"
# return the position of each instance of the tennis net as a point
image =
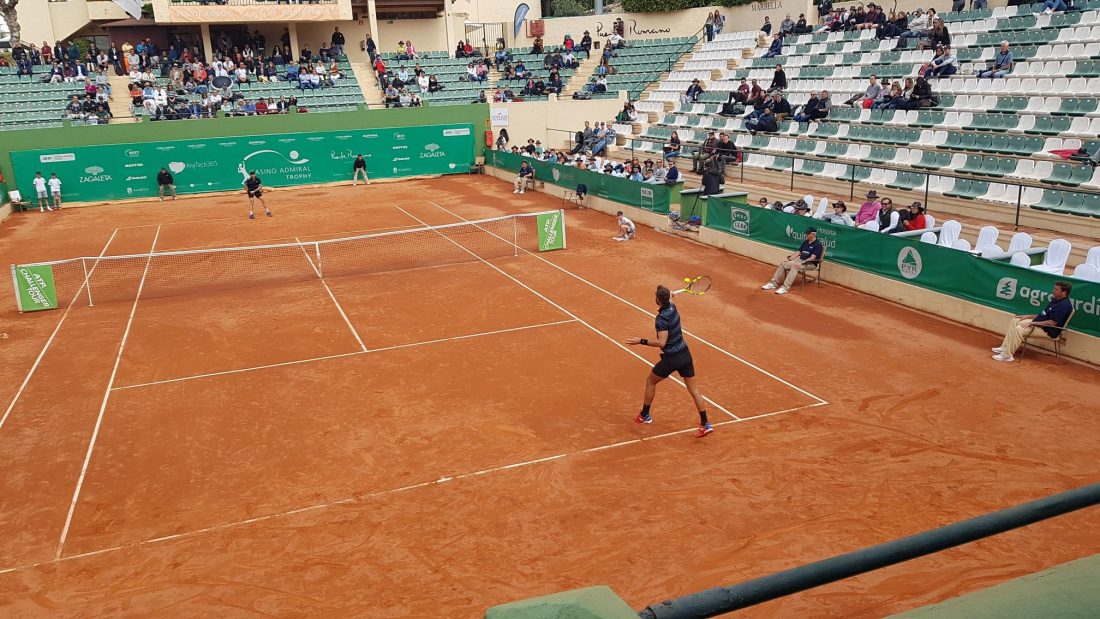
(89, 280)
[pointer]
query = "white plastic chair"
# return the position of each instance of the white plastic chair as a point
(1092, 258)
(1054, 260)
(929, 221)
(1020, 259)
(961, 244)
(1086, 272)
(823, 204)
(987, 239)
(950, 233)
(1021, 241)
(928, 237)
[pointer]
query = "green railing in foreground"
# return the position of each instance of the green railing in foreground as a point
(654, 198)
(957, 273)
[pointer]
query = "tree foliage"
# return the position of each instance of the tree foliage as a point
(568, 8)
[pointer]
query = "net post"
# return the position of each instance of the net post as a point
(87, 281)
(15, 286)
(515, 236)
(562, 212)
(317, 252)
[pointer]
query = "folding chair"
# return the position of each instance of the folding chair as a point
(1059, 341)
(814, 267)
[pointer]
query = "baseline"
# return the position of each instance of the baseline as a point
(103, 406)
(648, 313)
(56, 329)
(363, 498)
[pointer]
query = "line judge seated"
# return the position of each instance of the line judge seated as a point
(811, 251)
(1051, 320)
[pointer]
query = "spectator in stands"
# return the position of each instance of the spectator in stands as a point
(780, 107)
(815, 109)
(691, 95)
(756, 94)
(23, 66)
(434, 85)
(890, 98)
(767, 27)
(262, 107)
(919, 27)
(870, 208)
(921, 97)
(704, 153)
(937, 37)
(672, 176)
(615, 41)
(567, 43)
(404, 99)
(945, 64)
(708, 26)
(555, 85)
(390, 96)
(672, 147)
(526, 173)
(787, 26)
(1051, 320)
(840, 215)
(628, 113)
(608, 133)
(779, 79)
(75, 109)
(537, 46)
(422, 82)
(1050, 6)
(897, 23)
(725, 151)
(869, 96)
(916, 220)
(775, 49)
(1002, 63)
(891, 220)
(586, 43)
(809, 252)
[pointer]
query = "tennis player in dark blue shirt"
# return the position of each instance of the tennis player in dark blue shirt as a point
(675, 357)
(1051, 320)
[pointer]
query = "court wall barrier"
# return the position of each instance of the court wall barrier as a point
(653, 198)
(123, 171)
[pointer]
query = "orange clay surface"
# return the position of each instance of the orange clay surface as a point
(380, 484)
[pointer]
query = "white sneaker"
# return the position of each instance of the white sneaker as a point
(1048, 11)
(1003, 357)
(768, 286)
(781, 290)
(617, 238)
(41, 210)
(997, 350)
(515, 191)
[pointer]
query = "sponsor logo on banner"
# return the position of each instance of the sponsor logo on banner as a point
(645, 193)
(57, 158)
(341, 155)
(551, 228)
(137, 178)
(196, 146)
(134, 165)
(95, 174)
(432, 152)
(36, 288)
(1006, 288)
(556, 174)
(499, 116)
(448, 133)
(294, 168)
(399, 136)
(133, 152)
(827, 236)
(739, 220)
(909, 262)
(165, 148)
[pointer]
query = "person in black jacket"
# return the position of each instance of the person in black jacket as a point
(779, 79)
(337, 43)
(165, 181)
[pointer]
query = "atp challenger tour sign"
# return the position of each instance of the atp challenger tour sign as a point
(121, 171)
(957, 273)
(35, 288)
(551, 230)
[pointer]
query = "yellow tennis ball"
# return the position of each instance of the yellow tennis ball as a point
(687, 279)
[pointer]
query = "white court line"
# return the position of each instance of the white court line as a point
(362, 498)
(342, 355)
(56, 329)
(565, 311)
(347, 320)
(648, 313)
(106, 397)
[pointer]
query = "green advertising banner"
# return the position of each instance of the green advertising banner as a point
(121, 171)
(654, 198)
(551, 231)
(957, 273)
(35, 287)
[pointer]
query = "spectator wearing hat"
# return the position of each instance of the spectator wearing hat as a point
(586, 43)
(810, 251)
(869, 209)
(917, 220)
(691, 95)
(840, 215)
(704, 153)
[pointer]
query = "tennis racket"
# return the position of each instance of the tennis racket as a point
(695, 285)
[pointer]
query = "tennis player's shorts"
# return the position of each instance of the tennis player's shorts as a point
(256, 194)
(679, 362)
(42, 194)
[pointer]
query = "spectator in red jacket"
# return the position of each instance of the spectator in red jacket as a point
(917, 220)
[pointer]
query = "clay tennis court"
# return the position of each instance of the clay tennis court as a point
(433, 441)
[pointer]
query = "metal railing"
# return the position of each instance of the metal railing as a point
(720, 600)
